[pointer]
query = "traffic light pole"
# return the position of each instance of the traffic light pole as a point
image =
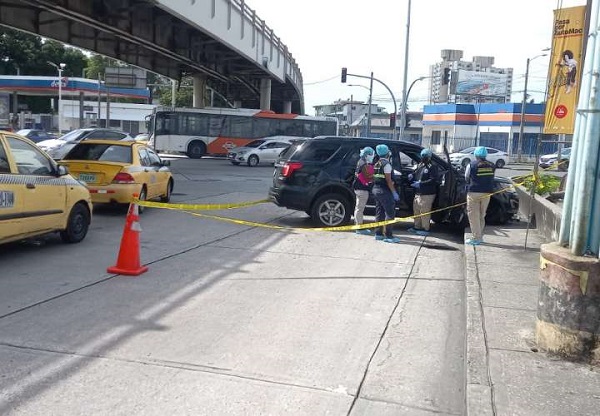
(371, 79)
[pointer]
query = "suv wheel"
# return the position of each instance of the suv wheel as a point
(500, 163)
(465, 162)
(330, 210)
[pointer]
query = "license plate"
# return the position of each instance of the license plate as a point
(87, 177)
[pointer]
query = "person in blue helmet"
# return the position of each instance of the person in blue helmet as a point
(362, 185)
(480, 181)
(385, 194)
(425, 181)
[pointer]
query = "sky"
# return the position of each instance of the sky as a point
(364, 36)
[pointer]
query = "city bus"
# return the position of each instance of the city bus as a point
(214, 131)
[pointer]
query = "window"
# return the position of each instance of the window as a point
(217, 126)
(100, 152)
(319, 152)
(4, 166)
(166, 123)
(240, 127)
(154, 159)
(436, 137)
(106, 135)
(264, 127)
(144, 157)
(193, 124)
(30, 160)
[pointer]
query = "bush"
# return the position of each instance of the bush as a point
(545, 184)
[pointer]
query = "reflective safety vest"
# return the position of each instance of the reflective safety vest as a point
(482, 176)
(379, 175)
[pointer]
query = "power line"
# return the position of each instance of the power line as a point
(320, 82)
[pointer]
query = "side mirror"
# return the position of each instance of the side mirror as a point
(62, 170)
(166, 162)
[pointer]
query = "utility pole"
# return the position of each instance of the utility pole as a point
(369, 109)
(523, 105)
(405, 77)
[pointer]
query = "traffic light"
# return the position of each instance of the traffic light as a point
(344, 74)
(446, 76)
(392, 121)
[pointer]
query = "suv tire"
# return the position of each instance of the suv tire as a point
(330, 210)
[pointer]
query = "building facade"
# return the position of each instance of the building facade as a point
(493, 125)
(461, 73)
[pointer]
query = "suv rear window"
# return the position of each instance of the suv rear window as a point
(318, 151)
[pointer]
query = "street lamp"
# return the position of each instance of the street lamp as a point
(405, 74)
(521, 125)
(404, 105)
(59, 68)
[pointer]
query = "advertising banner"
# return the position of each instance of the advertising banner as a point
(564, 73)
(481, 83)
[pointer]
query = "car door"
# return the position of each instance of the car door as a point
(11, 197)
(160, 171)
(147, 174)
(44, 194)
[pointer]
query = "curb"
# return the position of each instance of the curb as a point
(479, 389)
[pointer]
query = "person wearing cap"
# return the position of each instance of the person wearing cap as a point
(425, 182)
(362, 185)
(384, 193)
(480, 181)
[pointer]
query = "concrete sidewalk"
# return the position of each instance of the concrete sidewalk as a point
(506, 375)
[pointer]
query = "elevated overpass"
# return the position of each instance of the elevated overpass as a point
(221, 43)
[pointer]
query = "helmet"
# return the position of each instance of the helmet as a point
(425, 153)
(481, 152)
(366, 151)
(382, 150)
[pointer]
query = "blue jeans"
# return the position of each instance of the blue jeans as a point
(385, 209)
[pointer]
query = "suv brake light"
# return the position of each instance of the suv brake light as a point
(289, 168)
(123, 177)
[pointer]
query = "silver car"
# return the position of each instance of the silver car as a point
(259, 151)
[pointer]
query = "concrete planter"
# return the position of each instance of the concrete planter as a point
(545, 215)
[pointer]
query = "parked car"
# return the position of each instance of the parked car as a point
(115, 170)
(466, 156)
(37, 196)
(547, 161)
(265, 150)
(316, 177)
(36, 136)
(58, 148)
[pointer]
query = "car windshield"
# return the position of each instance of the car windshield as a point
(255, 143)
(100, 152)
(73, 135)
(467, 150)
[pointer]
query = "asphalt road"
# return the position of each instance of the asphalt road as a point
(232, 319)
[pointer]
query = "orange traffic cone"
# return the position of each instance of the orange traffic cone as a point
(128, 262)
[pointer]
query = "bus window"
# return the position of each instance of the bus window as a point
(193, 124)
(264, 127)
(309, 129)
(293, 127)
(217, 126)
(166, 123)
(240, 127)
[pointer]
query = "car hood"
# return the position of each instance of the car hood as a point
(51, 143)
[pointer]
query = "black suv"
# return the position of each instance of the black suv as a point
(316, 177)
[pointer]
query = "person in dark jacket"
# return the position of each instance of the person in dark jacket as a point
(363, 182)
(384, 193)
(480, 181)
(425, 181)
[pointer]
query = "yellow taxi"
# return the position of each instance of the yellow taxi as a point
(37, 196)
(116, 170)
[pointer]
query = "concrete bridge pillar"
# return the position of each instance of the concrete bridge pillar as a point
(287, 107)
(265, 94)
(199, 91)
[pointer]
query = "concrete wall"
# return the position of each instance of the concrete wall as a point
(547, 215)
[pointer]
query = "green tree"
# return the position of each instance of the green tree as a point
(183, 96)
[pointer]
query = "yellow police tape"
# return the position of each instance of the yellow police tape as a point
(187, 208)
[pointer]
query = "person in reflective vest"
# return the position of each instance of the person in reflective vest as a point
(480, 181)
(425, 181)
(362, 185)
(385, 194)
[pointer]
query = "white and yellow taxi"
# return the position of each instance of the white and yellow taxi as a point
(37, 196)
(115, 170)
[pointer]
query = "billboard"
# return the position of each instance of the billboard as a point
(481, 83)
(125, 77)
(564, 73)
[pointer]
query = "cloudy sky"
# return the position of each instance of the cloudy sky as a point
(365, 36)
